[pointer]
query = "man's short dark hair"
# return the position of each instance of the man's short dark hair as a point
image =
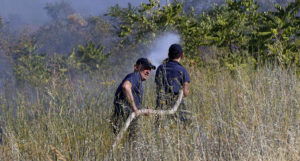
(175, 51)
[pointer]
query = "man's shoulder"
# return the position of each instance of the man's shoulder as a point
(184, 68)
(131, 75)
(179, 66)
(132, 78)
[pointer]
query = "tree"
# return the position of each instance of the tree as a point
(237, 26)
(88, 57)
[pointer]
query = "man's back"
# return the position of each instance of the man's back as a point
(171, 76)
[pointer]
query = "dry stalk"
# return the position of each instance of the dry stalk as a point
(58, 153)
(132, 116)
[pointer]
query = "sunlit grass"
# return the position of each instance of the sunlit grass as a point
(246, 115)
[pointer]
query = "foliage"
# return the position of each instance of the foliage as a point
(88, 57)
(280, 27)
(32, 69)
(148, 19)
(237, 25)
(37, 69)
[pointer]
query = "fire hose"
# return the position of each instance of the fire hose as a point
(133, 115)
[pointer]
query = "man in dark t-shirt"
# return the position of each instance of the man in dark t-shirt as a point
(129, 94)
(170, 77)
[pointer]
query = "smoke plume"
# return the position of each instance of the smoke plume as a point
(28, 12)
(160, 47)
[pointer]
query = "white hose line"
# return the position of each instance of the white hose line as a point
(132, 116)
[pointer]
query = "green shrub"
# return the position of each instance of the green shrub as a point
(88, 57)
(237, 25)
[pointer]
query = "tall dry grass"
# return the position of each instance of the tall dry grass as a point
(246, 115)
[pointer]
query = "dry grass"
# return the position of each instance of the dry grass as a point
(247, 115)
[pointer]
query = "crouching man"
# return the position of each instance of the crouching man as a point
(128, 97)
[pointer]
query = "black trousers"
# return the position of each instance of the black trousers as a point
(165, 101)
(119, 117)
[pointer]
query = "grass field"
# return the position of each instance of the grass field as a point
(241, 115)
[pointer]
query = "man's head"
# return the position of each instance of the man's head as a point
(175, 52)
(144, 66)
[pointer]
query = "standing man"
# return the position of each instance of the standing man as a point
(170, 77)
(128, 97)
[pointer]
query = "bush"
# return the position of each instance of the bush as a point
(89, 57)
(238, 26)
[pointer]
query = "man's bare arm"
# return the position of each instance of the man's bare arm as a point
(186, 89)
(126, 87)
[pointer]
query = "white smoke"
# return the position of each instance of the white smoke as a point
(33, 12)
(160, 47)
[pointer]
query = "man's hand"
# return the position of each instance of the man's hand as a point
(186, 90)
(137, 112)
(147, 111)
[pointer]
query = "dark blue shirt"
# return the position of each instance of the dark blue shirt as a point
(137, 90)
(171, 76)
